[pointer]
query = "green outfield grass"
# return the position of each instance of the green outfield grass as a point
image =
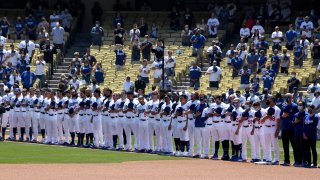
(16, 152)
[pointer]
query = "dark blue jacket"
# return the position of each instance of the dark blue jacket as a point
(286, 123)
(310, 126)
(199, 122)
(298, 128)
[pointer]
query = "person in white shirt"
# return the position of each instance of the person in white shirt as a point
(316, 101)
(312, 89)
(170, 64)
(229, 54)
(215, 75)
(3, 40)
(157, 72)
(306, 24)
(213, 24)
(134, 33)
(259, 27)
(40, 67)
(74, 83)
(144, 71)
(54, 18)
(277, 37)
(57, 36)
(127, 85)
(245, 32)
(3, 53)
(28, 46)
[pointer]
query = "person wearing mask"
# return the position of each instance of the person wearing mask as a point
(139, 84)
(198, 41)
(299, 120)
(288, 111)
(285, 62)
(200, 124)
(40, 70)
(127, 85)
(97, 35)
(293, 82)
(310, 137)
(120, 56)
(195, 75)
(185, 35)
(291, 36)
(298, 54)
(145, 48)
(19, 28)
(215, 75)
(28, 78)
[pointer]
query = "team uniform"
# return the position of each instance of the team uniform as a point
(154, 125)
(143, 127)
(129, 125)
(191, 105)
(246, 127)
(258, 136)
(166, 134)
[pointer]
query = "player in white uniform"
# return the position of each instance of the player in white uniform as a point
(97, 98)
(82, 122)
(96, 125)
(43, 115)
(51, 123)
(246, 125)
(89, 123)
(25, 121)
(236, 130)
(129, 111)
(121, 120)
(113, 107)
(166, 134)
(105, 119)
(6, 115)
(208, 132)
(271, 125)
(29, 113)
(143, 125)
(258, 132)
(227, 132)
(61, 125)
(72, 116)
(191, 105)
(174, 124)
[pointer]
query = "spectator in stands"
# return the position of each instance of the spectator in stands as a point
(144, 71)
(92, 60)
(198, 41)
(285, 62)
(291, 36)
(293, 82)
(39, 13)
(19, 28)
(245, 74)
(4, 24)
(31, 27)
(230, 54)
(43, 24)
(256, 37)
(159, 51)
(127, 84)
(40, 70)
(43, 36)
(263, 45)
(96, 12)
(241, 43)
(213, 24)
(48, 52)
(252, 60)
(135, 51)
(134, 33)
(306, 24)
(185, 35)
(118, 19)
(298, 22)
(12, 56)
(120, 56)
(195, 75)
(259, 27)
(154, 31)
(305, 43)
(97, 35)
(93, 85)
(166, 84)
(285, 14)
(86, 72)
(28, 9)
(249, 22)
(277, 38)
(315, 52)
(139, 84)
(245, 32)
(146, 47)
(157, 72)
(188, 17)
(98, 73)
(243, 53)
(28, 78)
(66, 20)
(255, 83)
(262, 60)
(74, 82)
(28, 46)
(275, 16)
(267, 82)
(203, 27)
(214, 53)
(14, 78)
(275, 61)
(314, 18)
(54, 18)
(223, 17)
(119, 34)
(3, 52)
(312, 89)
(215, 75)
(316, 101)
(174, 17)
(236, 63)
(170, 64)
(298, 53)
(57, 34)
(143, 27)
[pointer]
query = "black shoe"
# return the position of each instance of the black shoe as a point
(196, 156)
(225, 158)
(65, 144)
(285, 164)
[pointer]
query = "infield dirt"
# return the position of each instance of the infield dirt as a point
(165, 169)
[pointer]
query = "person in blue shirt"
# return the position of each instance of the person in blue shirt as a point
(99, 73)
(118, 19)
(28, 78)
(199, 130)
(19, 28)
(4, 27)
(291, 36)
(263, 45)
(275, 61)
(22, 63)
(245, 74)
(120, 57)
(195, 75)
(198, 41)
(298, 133)
(298, 54)
(310, 137)
(237, 64)
(255, 83)
(31, 27)
(267, 81)
(287, 117)
(271, 72)
(86, 71)
(262, 60)
(252, 60)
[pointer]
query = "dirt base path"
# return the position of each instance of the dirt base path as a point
(180, 169)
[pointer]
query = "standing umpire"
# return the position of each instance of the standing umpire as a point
(289, 109)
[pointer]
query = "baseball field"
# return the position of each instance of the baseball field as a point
(38, 161)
